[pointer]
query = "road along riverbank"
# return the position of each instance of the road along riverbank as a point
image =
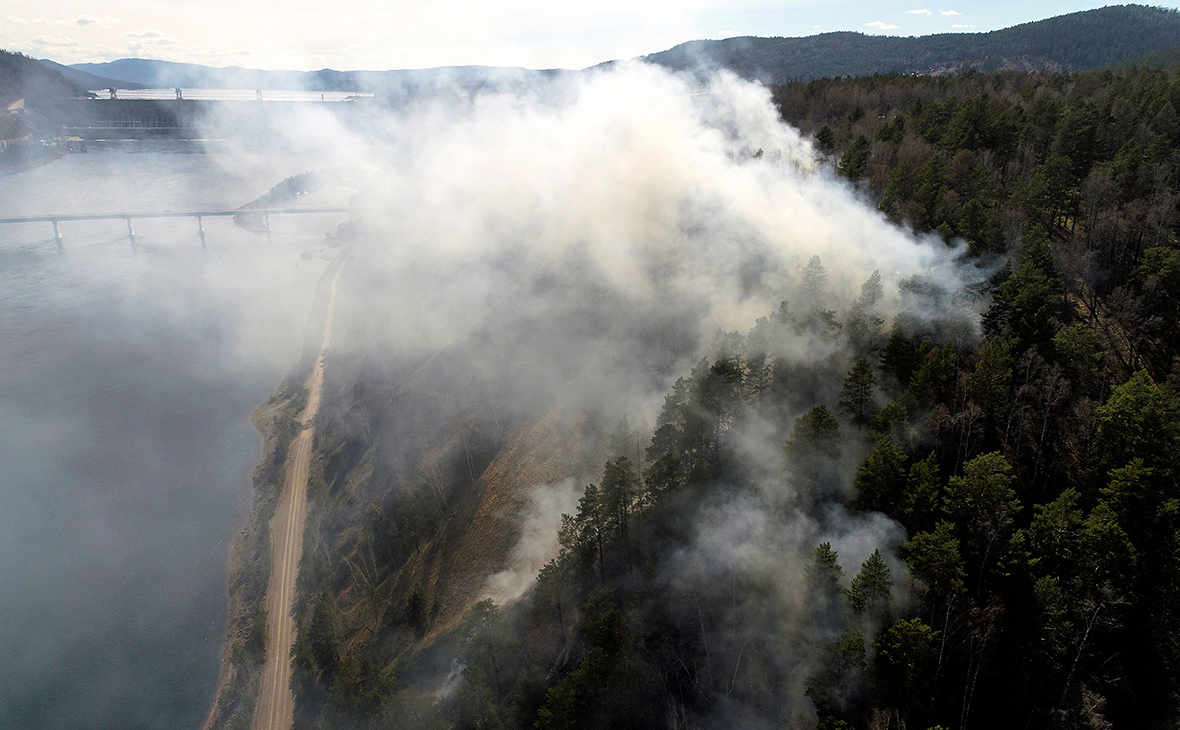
(276, 704)
(254, 678)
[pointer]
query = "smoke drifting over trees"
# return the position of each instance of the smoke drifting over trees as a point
(626, 269)
(642, 410)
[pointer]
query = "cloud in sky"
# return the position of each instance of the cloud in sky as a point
(961, 25)
(81, 20)
(150, 42)
(105, 23)
(950, 12)
(54, 42)
(882, 25)
(919, 11)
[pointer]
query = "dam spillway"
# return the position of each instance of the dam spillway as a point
(138, 118)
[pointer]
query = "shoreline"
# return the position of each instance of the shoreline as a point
(249, 564)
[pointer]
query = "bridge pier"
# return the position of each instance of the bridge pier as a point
(131, 233)
(201, 230)
(266, 220)
(57, 237)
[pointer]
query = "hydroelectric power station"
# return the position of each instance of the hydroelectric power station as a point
(183, 118)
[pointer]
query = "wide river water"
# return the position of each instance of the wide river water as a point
(127, 379)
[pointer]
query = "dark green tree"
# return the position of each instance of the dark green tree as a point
(1140, 420)
(984, 504)
(855, 159)
(922, 501)
(858, 397)
(825, 140)
(935, 562)
(837, 680)
(596, 694)
(881, 478)
(417, 608)
(907, 653)
(814, 449)
(869, 592)
(1032, 296)
(824, 579)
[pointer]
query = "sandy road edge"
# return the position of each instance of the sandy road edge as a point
(276, 704)
(263, 419)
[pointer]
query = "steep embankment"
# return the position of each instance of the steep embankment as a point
(454, 566)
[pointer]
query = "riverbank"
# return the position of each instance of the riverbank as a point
(250, 563)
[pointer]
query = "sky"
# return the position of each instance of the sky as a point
(391, 34)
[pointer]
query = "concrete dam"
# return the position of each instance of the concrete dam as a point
(95, 119)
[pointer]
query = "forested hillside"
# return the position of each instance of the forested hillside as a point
(23, 77)
(1012, 451)
(1075, 42)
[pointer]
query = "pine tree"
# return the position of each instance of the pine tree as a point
(855, 159)
(983, 503)
(815, 280)
(922, 501)
(417, 608)
(934, 560)
(824, 576)
(881, 478)
(814, 450)
(870, 588)
(858, 396)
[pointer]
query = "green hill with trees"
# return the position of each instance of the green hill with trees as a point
(22, 77)
(1075, 42)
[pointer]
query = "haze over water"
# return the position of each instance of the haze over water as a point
(126, 384)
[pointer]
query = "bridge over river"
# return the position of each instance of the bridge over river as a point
(252, 218)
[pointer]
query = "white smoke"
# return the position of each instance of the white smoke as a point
(538, 521)
(685, 208)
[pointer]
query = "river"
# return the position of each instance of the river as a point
(127, 378)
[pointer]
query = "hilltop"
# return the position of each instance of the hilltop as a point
(1075, 42)
(89, 80)
(22, 77)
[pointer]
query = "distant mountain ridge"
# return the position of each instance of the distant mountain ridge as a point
(86, 80)
(169, 74)
(1081, 41)
(1075, 42)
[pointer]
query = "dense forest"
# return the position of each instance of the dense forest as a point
(1028, 571)
(23, 77)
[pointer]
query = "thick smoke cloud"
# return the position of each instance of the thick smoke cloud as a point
(685, 208)
(688, 208)
(581, 243)
(577, 241)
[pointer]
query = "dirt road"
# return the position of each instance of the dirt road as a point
(276, 706)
